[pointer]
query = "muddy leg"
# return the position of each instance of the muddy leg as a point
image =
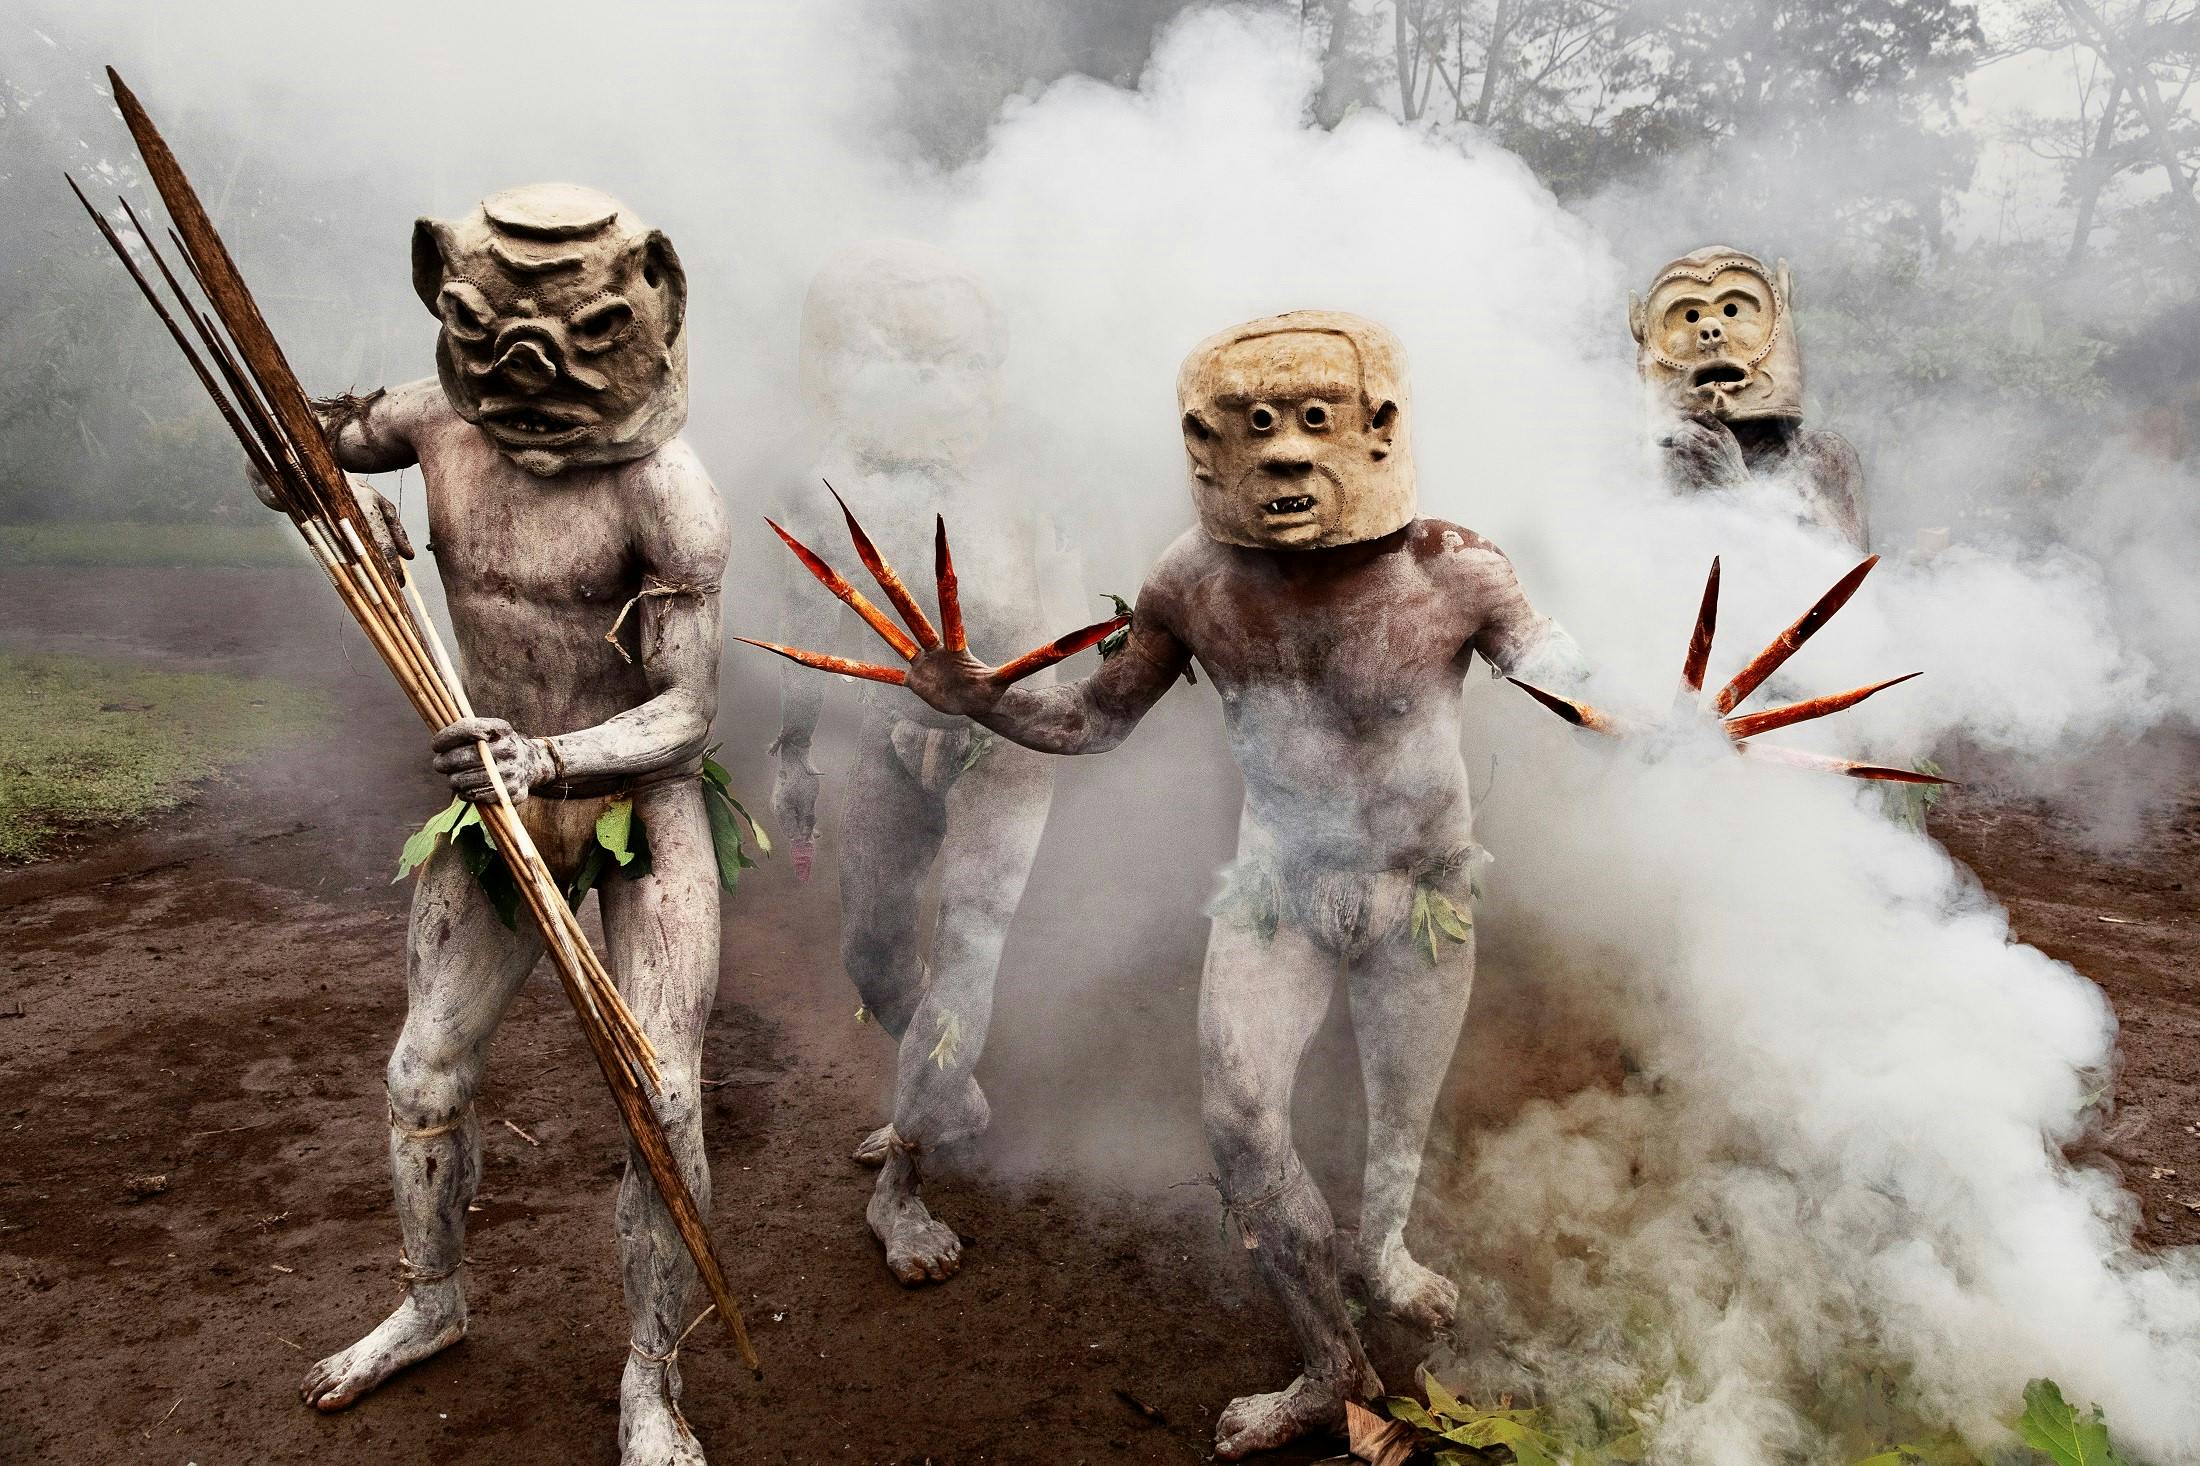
(1407, 1012)
(1260, 1004)
(462, 967)
(661, 938)
(889, 834)
(996, 812)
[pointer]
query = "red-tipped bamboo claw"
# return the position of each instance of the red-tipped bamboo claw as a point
(888, 581)
(870, 672)
(1699, 641)
(854, 599)
(1788, 642)
(943, 574)
(926, 637)
(1826, 763)
(1059, 648)
(1763, 665)
(1749, 725)
(1580, 714)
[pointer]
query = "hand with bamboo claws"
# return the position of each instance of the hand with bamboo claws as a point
(941, 669)
(1743, 729)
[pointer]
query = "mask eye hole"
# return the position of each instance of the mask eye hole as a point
(1694, 315)
(1733, 309)
(601, 327)
(465, 311)
(1262, 417)
(1316, 416)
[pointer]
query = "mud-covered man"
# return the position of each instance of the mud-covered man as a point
(901, 352)
(558, 492)
(1338, 628)
(1717, 350)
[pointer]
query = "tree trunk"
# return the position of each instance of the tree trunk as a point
(2094, 171)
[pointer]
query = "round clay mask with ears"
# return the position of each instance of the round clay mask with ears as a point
(1716, 338)
(901, 354)
(563, 325)
(1295, 430)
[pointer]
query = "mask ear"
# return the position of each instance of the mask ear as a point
(431, 259)
(660, 269)
(1786, 283)
(1199, 437)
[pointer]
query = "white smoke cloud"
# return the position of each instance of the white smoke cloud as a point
(1850, 1153)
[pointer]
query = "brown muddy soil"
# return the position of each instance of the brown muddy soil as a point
(193, 1193)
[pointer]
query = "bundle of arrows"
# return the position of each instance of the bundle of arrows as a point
(260, 399)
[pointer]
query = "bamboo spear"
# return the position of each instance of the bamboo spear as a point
(268, 411)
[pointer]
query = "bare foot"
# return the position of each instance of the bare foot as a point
(430, 1320)
(1412, 1294)
(918, 1248)
(1264, 1422)
(871, 1150)
(652, 1432)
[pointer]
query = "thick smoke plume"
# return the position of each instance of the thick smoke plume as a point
(1841, 1160)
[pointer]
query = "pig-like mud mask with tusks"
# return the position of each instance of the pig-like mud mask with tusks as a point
(1716, 339)
(563, 325)
(1295, 428)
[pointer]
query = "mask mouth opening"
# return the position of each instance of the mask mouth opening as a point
(534, 423)
(1718, 374)
(1289, 504)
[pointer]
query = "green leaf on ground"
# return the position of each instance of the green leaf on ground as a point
(2053, 1425)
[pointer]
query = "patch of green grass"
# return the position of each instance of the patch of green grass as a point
(86, 741)
(265, 542)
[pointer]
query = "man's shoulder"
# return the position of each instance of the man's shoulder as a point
(1442, 546)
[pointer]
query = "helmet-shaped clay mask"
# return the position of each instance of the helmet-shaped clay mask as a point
(1296, 430)
(563, 325)
(1716, 337)
(901, 354)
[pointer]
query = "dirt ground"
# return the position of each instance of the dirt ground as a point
(210, 1001)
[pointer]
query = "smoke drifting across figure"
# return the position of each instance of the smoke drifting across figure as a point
(901, 347)
(1717, 351)
(557, 490)
(1337, 628)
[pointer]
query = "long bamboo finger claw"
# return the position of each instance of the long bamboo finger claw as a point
(1699, 641)
(854, 599)
(1825, 763)
(888, 581)
(1059, 648)
(951, 607)
(1749, 725)
(824, 663)
(1580, 714)
(1785, 645)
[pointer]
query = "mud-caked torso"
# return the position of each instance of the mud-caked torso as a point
(1340, 677)
(536, 570)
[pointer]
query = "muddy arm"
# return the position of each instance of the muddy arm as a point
(684, 543)
(1088, 716)
(1514, 637)
(1833, 478)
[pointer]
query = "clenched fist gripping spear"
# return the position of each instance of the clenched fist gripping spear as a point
(1337, 627)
